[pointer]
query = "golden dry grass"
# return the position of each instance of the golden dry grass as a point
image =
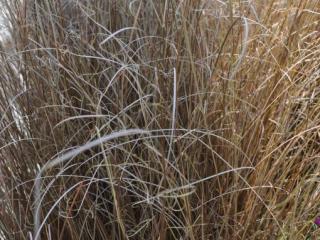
(168, 119)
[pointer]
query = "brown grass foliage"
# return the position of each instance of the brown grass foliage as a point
(227, 93)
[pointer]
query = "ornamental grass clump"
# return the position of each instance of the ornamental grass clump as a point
(126, 119)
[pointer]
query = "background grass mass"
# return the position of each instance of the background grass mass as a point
(160, 119)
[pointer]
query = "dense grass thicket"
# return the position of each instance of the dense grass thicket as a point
(160, 119)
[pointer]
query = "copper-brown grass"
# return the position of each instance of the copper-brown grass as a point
(226, 93)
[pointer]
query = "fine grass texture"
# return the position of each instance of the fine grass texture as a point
(160, 119)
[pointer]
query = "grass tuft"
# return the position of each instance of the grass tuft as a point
(151, 119)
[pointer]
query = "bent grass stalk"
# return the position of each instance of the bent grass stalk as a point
(66, 156)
